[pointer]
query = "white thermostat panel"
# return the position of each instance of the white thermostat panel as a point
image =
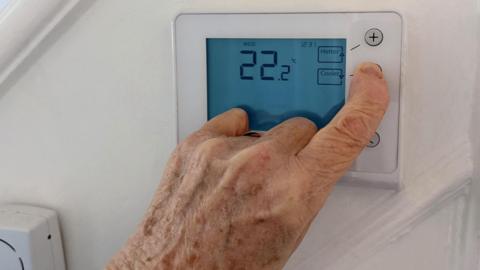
(30, 239)
(278, 66)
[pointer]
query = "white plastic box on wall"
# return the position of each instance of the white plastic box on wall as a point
(30, 239)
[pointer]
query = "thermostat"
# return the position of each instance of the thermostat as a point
(278, 66)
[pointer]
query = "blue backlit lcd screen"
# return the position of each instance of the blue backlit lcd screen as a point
(276, 79)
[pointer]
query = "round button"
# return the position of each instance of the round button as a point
(374, 141)
(374, 37)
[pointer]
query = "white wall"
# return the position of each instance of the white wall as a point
(87, 123)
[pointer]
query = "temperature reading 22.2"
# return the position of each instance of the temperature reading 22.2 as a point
(265, 68)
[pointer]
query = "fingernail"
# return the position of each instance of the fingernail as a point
(371, 69)
(253, 134)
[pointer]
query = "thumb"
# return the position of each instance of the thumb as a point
(330, 153)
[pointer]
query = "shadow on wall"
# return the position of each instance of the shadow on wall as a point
(52, 37)
(475, 133)
(476, 105)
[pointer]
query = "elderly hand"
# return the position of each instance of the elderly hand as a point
(229, 201)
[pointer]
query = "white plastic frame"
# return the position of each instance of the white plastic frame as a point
(378, 165)
(23, 24)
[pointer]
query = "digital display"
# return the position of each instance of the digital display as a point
(276, 79)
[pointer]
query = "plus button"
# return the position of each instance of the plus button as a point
(374, 37)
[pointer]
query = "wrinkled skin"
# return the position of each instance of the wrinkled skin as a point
(229, 201)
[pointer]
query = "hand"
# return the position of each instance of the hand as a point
(229, 201)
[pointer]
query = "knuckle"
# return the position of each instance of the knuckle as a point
(262, 150)
(304, 124)
(211, 148)
(205, 154)
(194, 140)
(354, 127)
(253, 158)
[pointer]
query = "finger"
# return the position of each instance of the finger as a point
(333, 149)
(231, 123)
(292, 135)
